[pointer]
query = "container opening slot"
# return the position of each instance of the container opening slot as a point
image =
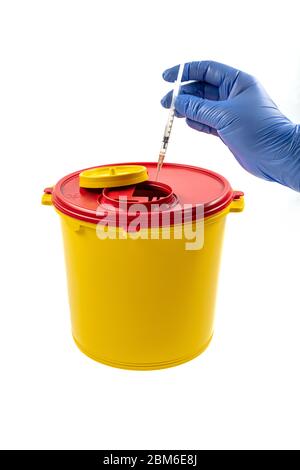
(149, 194)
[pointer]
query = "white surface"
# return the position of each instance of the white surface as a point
(74, 84)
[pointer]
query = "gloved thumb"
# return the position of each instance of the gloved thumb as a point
(207, 112)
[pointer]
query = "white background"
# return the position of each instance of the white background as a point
(80, 85)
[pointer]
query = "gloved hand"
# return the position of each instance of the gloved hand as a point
(232, 105)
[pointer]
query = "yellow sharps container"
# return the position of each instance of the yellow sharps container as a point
(142, 259)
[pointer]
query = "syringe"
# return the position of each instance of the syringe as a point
(168, 128)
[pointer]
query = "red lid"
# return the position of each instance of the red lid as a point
(181, 189)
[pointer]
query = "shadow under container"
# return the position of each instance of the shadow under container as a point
(139, 298)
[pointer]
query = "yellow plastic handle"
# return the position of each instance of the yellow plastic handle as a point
(238, 202)
(47, 196)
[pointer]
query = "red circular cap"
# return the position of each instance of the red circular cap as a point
(177, 196)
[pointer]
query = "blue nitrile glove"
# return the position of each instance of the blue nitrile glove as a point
(232, 105)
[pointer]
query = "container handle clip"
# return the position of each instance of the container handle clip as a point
(47, 196)
(237, 203)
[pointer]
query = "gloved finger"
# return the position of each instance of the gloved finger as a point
(178, 115)
(210, 113)
(166, 103)
(201, 127)
(201, 89)
(204, 71)
(227, 78)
